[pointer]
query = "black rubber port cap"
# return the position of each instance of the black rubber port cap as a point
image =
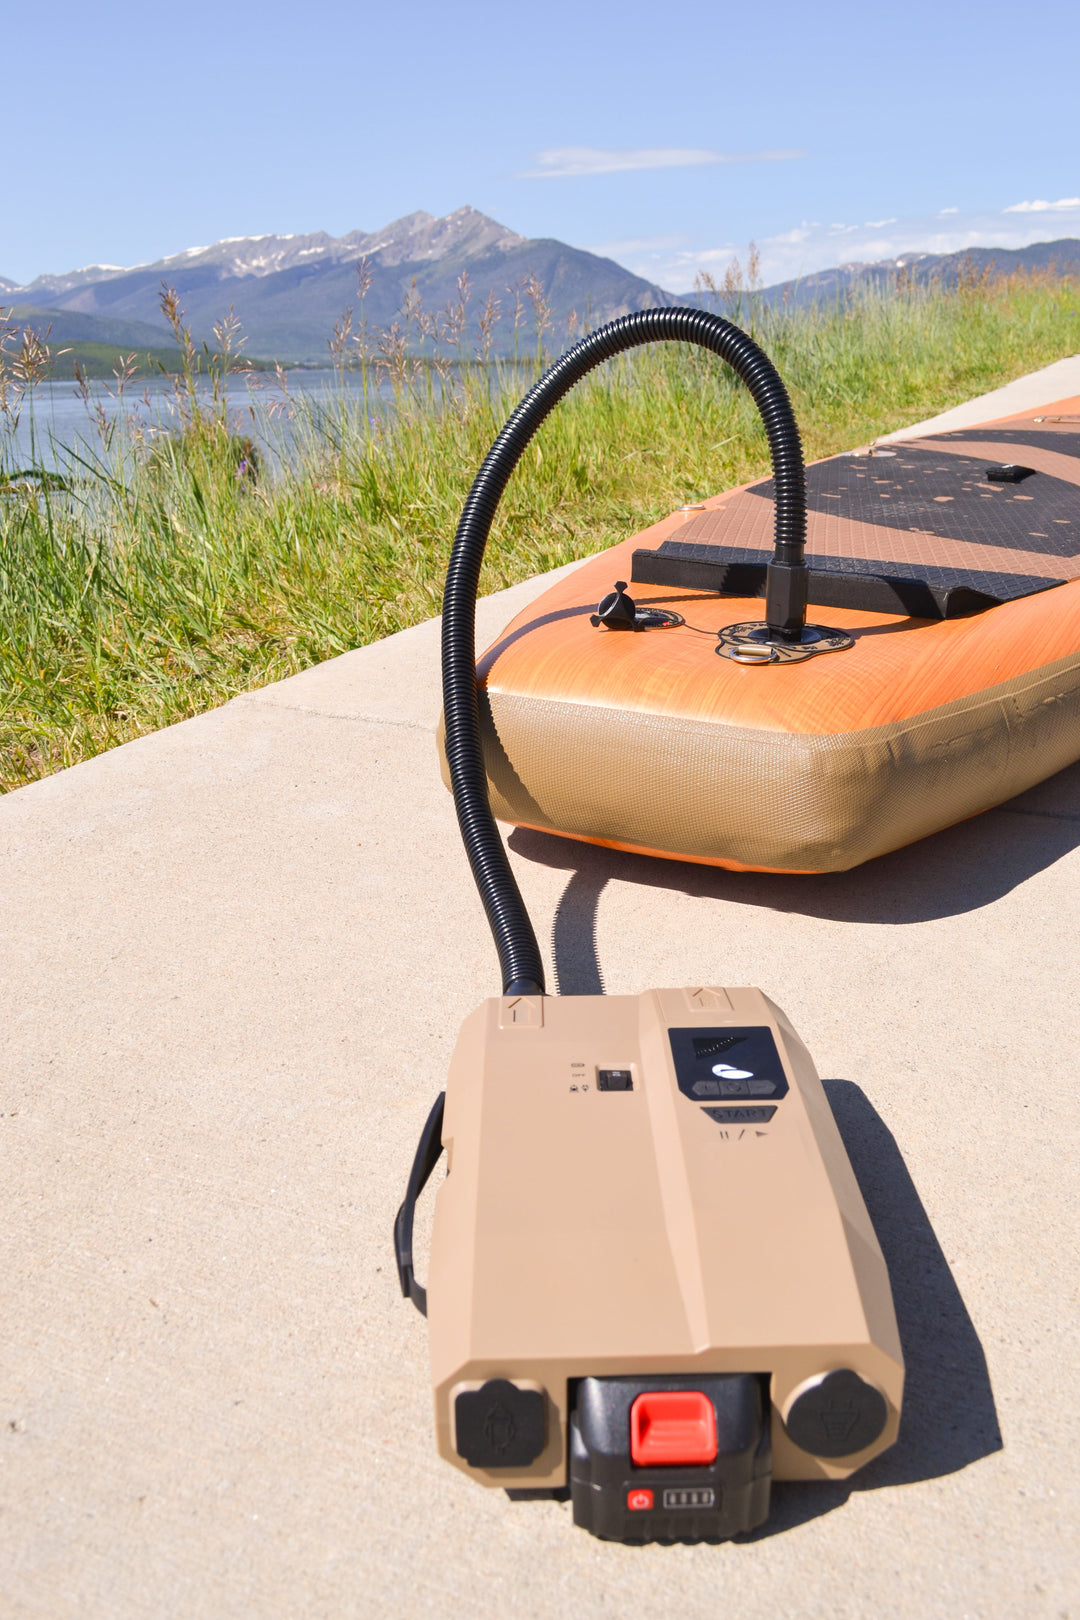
(499, 1425)
(838, 1416)
(617, 610)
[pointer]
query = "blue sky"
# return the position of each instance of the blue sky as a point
(667, 139)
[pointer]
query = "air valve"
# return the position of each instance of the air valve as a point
(617, 611)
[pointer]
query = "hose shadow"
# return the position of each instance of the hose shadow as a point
(960, 869)
(489, 658)
(949, 1419)
(577, 962)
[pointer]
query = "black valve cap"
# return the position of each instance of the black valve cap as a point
(616, 610)
(837, 1416)
(499, 1425)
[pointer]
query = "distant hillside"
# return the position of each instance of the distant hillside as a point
(95, 342)
(289, 290)
(824, 286)
(68, 326)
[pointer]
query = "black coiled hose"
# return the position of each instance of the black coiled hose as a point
(515, 940)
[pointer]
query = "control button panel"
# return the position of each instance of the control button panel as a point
(740, 1065)
(728, 1087)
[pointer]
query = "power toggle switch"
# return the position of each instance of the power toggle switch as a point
(614, 1080)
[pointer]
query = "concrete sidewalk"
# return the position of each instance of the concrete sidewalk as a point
(235, 957)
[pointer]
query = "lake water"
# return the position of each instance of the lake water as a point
(60, 417)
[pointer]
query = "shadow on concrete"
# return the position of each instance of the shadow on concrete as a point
(949, 1418)
(961, 869)
(577, 962)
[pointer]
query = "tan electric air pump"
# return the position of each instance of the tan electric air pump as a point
(653, 1284)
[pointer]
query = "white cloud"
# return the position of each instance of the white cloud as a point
(941, 215)
(876, 224)
(562, 162)
(1063, 205)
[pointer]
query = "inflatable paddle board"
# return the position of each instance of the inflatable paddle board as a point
(952, 562)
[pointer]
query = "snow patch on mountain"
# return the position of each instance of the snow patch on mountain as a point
(417, 237)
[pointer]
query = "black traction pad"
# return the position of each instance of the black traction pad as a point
(917, 489)
(948, 496)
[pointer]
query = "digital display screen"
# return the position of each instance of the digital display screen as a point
(739, 1065)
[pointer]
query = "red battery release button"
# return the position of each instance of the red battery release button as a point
(672, 1428)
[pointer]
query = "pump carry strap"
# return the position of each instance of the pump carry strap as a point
(428, 1152)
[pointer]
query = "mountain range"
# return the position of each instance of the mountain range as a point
(1062, 257)
(288, 291)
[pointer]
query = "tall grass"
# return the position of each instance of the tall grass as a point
(165, 571)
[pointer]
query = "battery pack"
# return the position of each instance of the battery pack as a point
(707, 1475)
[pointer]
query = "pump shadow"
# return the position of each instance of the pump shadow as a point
(949, 1419)
(960, 869)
